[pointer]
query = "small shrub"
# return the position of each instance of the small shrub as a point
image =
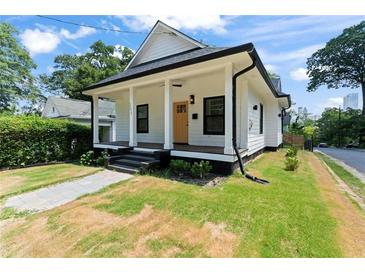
(201, 169)
(179, 167)
(291, 163)
(102, 160)
(291, 152)
(87, 159)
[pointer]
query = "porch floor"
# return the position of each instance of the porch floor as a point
(180, 147)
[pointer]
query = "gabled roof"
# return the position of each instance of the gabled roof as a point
(72, 108)
(160, 65)
(150, 43)
(201, 53)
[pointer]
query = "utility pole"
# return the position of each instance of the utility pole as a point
(339, 126)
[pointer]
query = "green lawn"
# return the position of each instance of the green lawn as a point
(353, 182)
(26, 179)
(154, 217)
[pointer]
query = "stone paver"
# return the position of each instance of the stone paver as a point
(56, 195)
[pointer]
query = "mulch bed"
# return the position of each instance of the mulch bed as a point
(211, 180)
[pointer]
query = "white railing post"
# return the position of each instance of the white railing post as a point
(168, 114)
(132, 118)
(228, 146)
(95, 117)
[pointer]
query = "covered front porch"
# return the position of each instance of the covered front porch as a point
(187, 111)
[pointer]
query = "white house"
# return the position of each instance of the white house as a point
(179, 98)
(79, 111)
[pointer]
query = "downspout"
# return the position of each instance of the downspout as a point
(234, 119)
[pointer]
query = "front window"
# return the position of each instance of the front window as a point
(214, 115)
(142, 119)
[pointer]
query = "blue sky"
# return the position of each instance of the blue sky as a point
(283, 42)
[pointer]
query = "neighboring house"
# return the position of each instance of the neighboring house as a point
(286, 117)
(179, 98)
(80, 112)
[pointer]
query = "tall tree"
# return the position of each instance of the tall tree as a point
(341, 63)
(75, 72)
(344, 128)
(16, 79)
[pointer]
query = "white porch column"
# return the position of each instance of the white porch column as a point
(244, 115)
(95, 116)
(228, 147)
(113, 131)
(168, 115)
(132, 118)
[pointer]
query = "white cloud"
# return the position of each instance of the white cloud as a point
(215, 23)
(37, 41)
(298, 55)
(271, 67)
(330, 103)
(299, 74)
(285, 28)
(118, 51)
(80, 33)
(109, 25)
(45, 39)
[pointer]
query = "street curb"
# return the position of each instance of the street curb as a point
(344, 186)
(352, 170)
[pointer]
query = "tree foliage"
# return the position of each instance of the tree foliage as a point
(341, 63)
(73, 73)
(349, 125)
(16, 79)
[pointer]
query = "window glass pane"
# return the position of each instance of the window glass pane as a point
(142, 125)
(142, 112)
(214, 106)
(215, 124)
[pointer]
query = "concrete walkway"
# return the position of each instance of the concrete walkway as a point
(59, 194)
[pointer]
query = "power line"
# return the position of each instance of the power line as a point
(89, 26)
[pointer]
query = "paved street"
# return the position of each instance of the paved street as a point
(59, 194)
(353, 158)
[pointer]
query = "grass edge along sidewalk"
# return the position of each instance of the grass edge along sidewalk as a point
(351, 184)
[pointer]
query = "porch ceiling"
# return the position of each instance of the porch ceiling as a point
(239, 61)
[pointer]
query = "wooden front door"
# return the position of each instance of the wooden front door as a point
(181, 122)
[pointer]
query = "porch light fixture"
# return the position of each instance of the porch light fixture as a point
(254, 107)
(279, 115)
(192, 99)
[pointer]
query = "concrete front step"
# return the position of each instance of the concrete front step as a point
(137, 157)
(123, 168)
(135, 163)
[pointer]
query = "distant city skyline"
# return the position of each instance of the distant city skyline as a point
(351, 100)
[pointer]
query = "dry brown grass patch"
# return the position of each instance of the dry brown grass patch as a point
(351, 223)
(75, 221)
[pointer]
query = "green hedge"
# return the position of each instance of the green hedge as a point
(26, 140)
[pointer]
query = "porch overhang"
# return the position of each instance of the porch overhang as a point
(162, 72)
